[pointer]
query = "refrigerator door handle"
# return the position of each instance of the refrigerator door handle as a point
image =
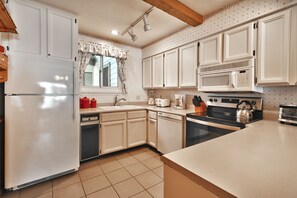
(74, 93)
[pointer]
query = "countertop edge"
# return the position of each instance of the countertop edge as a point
(197, 179)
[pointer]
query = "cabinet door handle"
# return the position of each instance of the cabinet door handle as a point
(49, 54)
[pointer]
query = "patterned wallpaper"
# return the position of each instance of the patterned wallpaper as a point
(237, 13)
(135, 92)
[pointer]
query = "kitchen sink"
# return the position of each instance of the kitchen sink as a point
(122, 107)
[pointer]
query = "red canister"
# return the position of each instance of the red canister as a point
(93, 103)
(85, 103)
(80, 103)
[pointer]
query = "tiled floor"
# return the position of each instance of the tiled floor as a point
(136, 173)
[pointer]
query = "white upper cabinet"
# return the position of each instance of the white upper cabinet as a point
(238, 43)
(188, 65)
(171, 68)
(158, 71)
(30, 21)
(62, 36)
(210, 51)
(147, 73)
(293, 48)
(273, 46)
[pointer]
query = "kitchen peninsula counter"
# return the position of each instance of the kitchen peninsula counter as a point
(258, 161)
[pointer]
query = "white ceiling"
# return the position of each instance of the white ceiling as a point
(98, 17)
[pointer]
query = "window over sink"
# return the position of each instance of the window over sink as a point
(101, 72)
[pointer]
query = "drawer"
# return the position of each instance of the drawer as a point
(152, 114)
(3, 61)
(108, 117)
(136, 114)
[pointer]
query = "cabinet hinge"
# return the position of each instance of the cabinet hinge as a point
(256, 80)
(6, 1)
(75, 20)
(163, 85)
(163, 55)
(74, 58)
(256, 25)
(198, 44)
(254, 52)
(7, 48)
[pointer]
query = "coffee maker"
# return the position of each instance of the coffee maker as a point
(180, 101)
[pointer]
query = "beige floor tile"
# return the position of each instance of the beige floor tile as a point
(142, 156)
(72, 191)
(159, 171)
(36, 190)
(128, 188)
(14, 194)
(157, 191)
(46, 195)
(153, 153)
(148, 179)
(65, 180)
(128, 160)
(152, 163)
(105, 160)
(143, 194)
(105, 193)
(138, 150)
(95, 184)
(88, 164)
(110, 166)
(90, 172)
(136, 169)
(118, 176)
(122, 155)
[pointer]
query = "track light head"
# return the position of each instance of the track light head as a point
(147, 26)
(133, 36)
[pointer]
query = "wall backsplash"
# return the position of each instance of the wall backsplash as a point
(237, 13)
(135, 92)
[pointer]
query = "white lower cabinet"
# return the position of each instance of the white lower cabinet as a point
(152, 129)
(113, 132)
(136, 132)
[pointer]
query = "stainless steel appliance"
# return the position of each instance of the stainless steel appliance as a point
(170, 132)
(89, 138)
(220, 118)
(180, 101)
(288, 114)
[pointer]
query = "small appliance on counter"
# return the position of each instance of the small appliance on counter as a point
(180, 101)
(151, 101)
(288, 114)
(162, 102)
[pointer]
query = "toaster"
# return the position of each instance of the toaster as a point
(161, 102)
(288, 114)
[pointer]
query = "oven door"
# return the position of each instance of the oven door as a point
(198, 131)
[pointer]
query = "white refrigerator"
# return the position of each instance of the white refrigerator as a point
(41, 121)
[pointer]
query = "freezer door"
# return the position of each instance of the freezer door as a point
(41, 138)
(41, 76)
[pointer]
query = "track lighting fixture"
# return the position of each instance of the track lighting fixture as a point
(146, 26)
(133, 36)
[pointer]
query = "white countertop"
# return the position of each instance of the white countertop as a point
(182, 112)
(258, 161)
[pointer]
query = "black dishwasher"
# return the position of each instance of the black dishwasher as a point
(89, 139)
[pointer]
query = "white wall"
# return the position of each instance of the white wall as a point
(135, 92)
(237, 13)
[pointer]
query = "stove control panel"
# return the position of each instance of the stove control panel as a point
(232, 101)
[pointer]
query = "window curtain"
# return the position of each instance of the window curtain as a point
(87, 48)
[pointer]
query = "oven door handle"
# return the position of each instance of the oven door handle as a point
(89, 123)
(212, 124)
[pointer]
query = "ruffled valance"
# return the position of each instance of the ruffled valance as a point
(102, 49)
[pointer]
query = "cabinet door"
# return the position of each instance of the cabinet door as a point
(30, 21)
(171, 68)
(238, 43)
(188, 65)
(273, 45)
(158, 71)
(136, 132)
(113, 136)
(147, 73)
(293, 48)
(210, 51)
(152, 132)
(62, 35)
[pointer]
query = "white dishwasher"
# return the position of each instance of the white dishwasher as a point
(170, 132)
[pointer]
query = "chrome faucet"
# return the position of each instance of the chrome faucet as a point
(116, 100)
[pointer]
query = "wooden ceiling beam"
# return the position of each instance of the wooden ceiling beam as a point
(178, 10)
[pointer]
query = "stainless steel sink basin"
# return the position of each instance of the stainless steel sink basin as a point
(122, 107)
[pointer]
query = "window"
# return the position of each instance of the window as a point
(102, 71)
